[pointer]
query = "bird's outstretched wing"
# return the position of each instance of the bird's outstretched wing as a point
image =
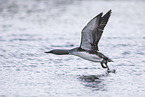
(92, 32)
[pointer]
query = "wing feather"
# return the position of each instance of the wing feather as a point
(92, 32)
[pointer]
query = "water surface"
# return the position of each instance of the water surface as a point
(28, 28)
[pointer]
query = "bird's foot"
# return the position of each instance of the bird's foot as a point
(104, 66)
(111, 70)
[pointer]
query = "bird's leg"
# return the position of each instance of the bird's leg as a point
(108, 70)
(102, 62)
(106, 66)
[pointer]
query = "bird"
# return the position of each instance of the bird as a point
(90, 36)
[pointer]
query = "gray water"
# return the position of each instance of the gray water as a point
(30, 27)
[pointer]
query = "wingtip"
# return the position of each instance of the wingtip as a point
(100, 14)
(110, 11)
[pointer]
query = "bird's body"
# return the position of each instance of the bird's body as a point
(89, 55)
(91, 35)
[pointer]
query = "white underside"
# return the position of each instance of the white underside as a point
(87, 56)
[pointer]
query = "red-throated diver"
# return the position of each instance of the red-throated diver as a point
(91, 35)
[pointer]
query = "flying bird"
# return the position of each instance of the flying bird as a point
(90, 36)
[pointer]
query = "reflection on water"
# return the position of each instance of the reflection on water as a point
(95, 82)
(92, 81)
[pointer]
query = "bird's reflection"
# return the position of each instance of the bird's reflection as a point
(92, 81)
(95, 82)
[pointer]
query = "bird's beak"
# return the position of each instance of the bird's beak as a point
(47, 52)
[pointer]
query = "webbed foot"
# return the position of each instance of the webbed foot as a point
(111, 71)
